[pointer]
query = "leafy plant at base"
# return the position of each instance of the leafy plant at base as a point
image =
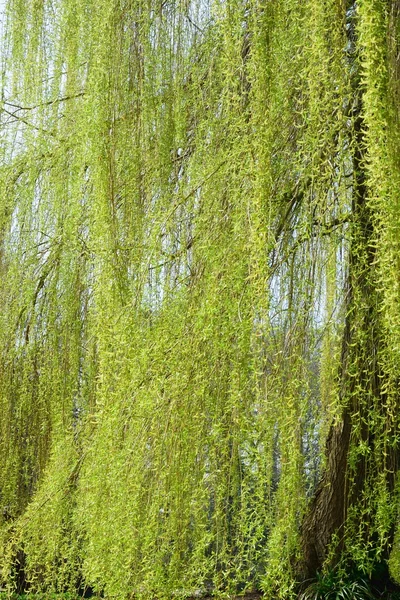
(328, 586)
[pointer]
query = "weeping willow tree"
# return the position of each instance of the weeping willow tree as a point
(199, 302)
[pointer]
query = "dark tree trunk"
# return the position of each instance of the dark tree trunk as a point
(327, 511)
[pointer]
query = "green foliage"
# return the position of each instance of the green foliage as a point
(329, 586)
(192, 290)
(47, 596)
(348, 582)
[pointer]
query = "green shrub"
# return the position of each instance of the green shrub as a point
(329, 586)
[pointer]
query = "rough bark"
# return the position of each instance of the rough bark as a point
(327, 511)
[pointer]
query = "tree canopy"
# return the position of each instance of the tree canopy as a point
(199, 300)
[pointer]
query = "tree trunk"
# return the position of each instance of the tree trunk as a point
(327, 511)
